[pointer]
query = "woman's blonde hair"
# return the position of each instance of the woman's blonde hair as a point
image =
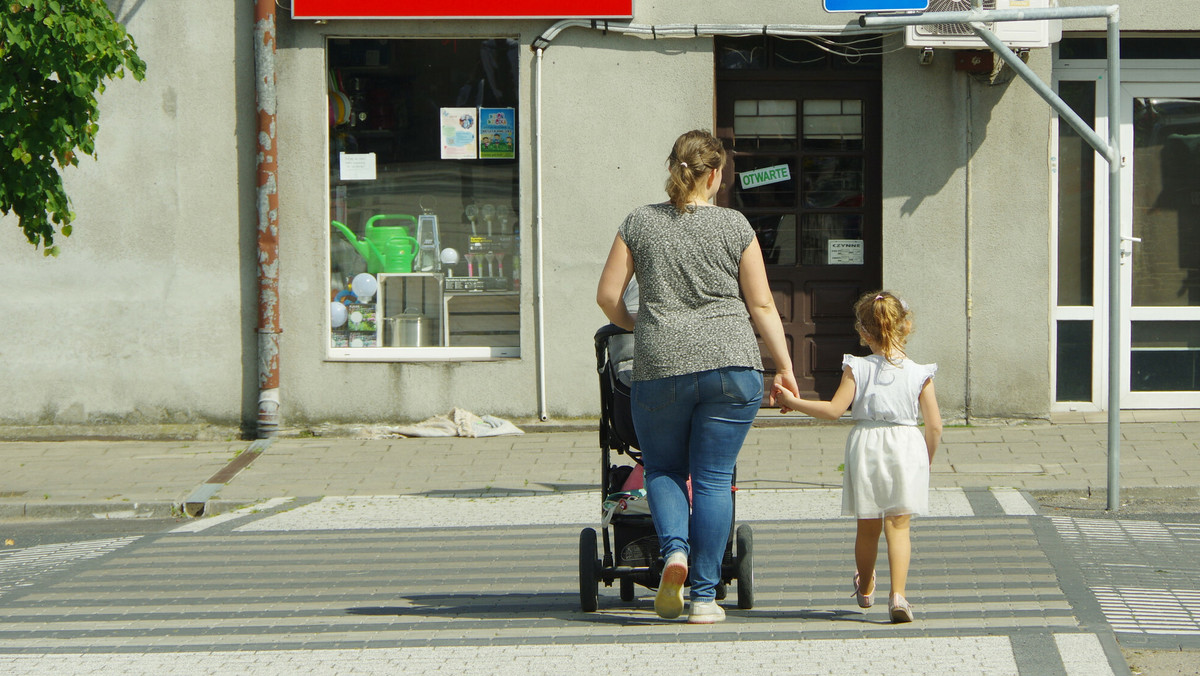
(885, 320)
(693, 155)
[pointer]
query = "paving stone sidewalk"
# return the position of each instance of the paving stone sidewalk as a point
(122, 478)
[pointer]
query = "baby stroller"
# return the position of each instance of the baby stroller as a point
(631, 552)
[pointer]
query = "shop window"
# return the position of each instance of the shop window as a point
(424, 223)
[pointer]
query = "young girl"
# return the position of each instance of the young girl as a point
(886, 479)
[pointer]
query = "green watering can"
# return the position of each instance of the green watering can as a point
(385, 248)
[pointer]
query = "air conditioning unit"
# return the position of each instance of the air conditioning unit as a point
(1015, 34)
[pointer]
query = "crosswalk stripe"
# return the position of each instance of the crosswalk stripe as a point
(1082, 654)
(20, 567)
(582, 507)
(208, 522)
(1013, 502)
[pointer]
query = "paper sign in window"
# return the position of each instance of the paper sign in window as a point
(460, 133)
(845, 252)
(356, 166)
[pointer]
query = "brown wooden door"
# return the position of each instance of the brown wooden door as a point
(806, 160)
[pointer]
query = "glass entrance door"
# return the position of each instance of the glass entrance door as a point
(1160, 269)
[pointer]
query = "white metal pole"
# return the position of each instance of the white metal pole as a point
(1114, 260)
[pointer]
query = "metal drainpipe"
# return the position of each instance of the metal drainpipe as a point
(267, 198)
(539, 271)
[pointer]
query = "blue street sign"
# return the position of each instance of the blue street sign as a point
(863, 6)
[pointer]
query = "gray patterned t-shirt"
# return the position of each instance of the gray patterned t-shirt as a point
(692, 316)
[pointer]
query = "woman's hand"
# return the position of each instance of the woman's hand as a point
(784, 381)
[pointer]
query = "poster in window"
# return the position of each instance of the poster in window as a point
(460, 129)
(497, 129)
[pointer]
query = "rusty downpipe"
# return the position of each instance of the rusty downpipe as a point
(267, 198)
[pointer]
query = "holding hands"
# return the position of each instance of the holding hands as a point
(787, 399)
(784, 389)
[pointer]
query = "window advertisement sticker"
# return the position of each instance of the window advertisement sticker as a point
(497, 130)
(460, 130)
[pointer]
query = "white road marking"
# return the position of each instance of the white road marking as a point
(1151, 611)
(210, 521)
(19, 567)
(1013, 502)
(414, 511)
(1082, 654)
(985, 655)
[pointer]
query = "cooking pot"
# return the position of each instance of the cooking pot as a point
(408, 330)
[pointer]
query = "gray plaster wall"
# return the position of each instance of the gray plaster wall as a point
(967, 231)
(142, 318)
(148, 316)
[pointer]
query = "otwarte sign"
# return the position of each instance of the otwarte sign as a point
(765, 176)
(462, 9)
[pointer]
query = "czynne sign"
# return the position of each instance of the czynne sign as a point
(462, 9)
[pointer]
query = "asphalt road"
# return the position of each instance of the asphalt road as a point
(22, 533)
(518, 583)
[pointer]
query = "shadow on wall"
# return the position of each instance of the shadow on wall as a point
(123, 13)
(964, 105)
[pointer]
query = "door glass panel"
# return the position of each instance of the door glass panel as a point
(764, 124)
(777, 238)
(1074, 377)
(1076, 197)
(1166, 202)
(1165, 357)
(776, 193)
(831, 181)
(833, 124)
(829, 239)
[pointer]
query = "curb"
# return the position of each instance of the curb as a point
(156, 509)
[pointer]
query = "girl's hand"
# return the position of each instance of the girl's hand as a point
(778, 393)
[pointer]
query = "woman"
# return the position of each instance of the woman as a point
(697, 371)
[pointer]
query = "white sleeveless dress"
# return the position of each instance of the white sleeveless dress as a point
(887, 464)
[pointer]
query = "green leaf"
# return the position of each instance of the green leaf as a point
(55, 58)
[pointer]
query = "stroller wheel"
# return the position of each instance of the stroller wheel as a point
(589, 571)
(627, 589)
(745, 567)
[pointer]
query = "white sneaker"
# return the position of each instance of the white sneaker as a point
(668, 603)
(705, 612)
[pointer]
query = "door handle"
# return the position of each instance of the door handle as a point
(1127, 246)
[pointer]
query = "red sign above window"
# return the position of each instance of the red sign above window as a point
(462, 9)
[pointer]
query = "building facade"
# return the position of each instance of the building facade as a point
(449, 187)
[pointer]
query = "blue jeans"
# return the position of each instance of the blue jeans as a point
(694, 425)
